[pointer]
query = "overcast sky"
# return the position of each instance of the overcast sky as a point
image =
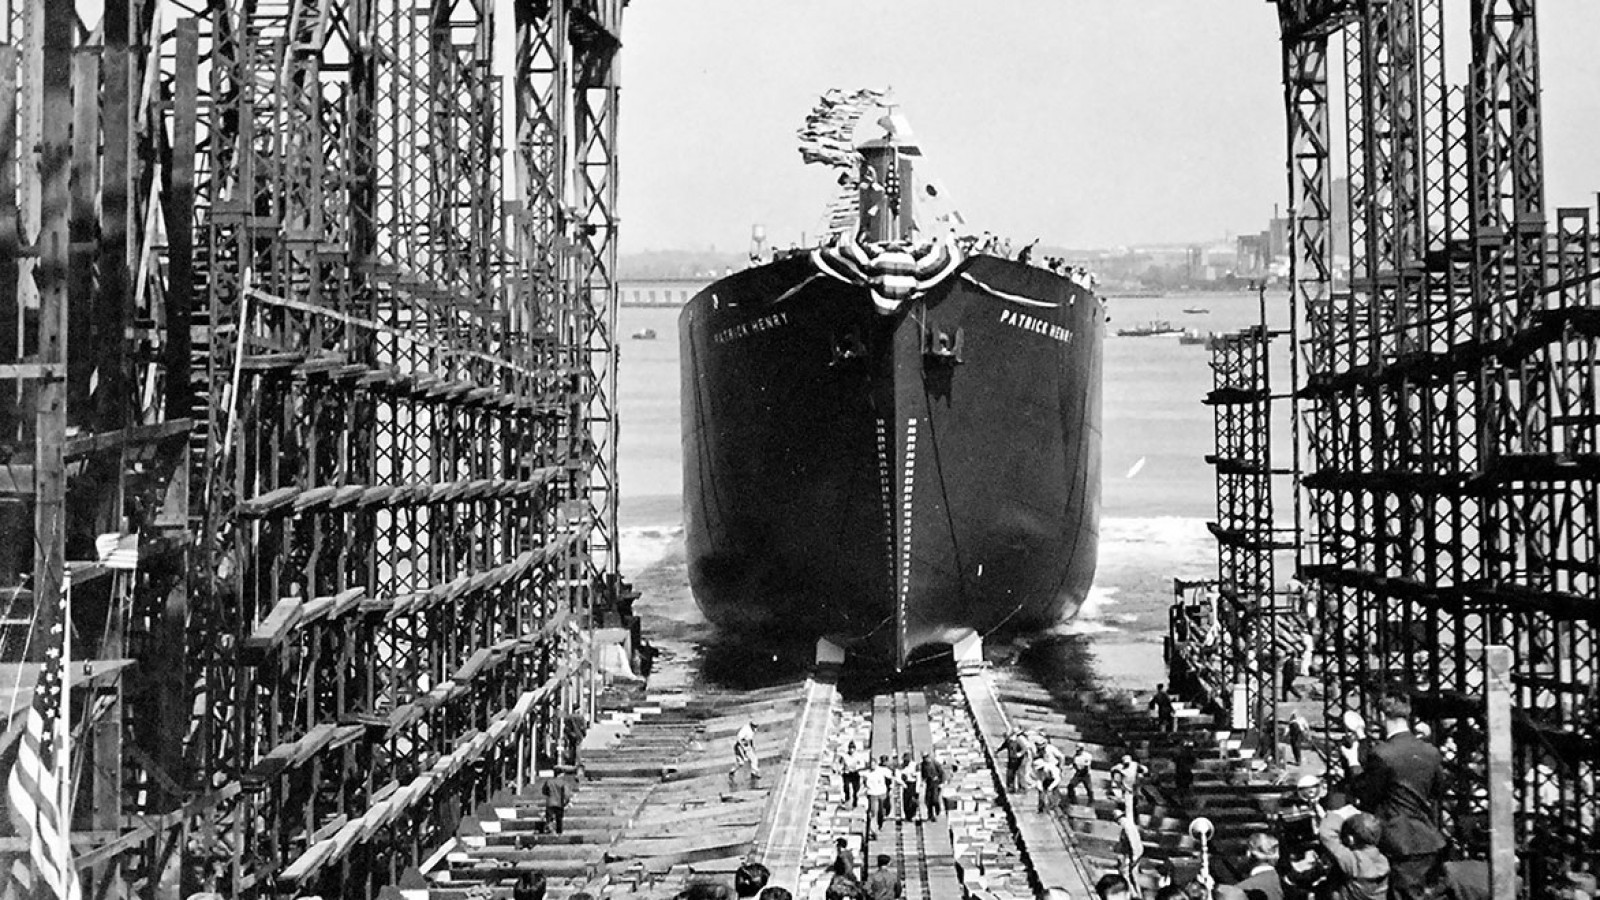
(1084, 122)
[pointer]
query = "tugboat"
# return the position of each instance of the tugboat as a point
(891, 444)
(646, 334)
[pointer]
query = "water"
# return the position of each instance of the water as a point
(1158, 489)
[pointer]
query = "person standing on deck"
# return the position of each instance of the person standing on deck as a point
(1047, 772)
(558, 789)
(1162, 704)
(909, 777)
(1291, 671)
(933, 779)
(1082, 762)
(744, 756)
(875, 781)
(1404, 780)
(1125, 781)
(1299, 729)
(851, 762)
(574, 728)
(1352, 751)
(1017, 754)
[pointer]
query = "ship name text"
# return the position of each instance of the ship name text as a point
(752, 327)
(1036, 325)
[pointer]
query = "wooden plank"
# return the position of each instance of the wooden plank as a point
(126, 438)
(782, 835)
(271, 631)
(1053, 861)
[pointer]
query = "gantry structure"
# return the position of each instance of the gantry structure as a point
(1447, 404)
(306, 381)
(1257, 615)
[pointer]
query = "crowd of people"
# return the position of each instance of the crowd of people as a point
(1369, 830)
(1035, 763)
(1366, 830)
(912, 789)
(991, 244)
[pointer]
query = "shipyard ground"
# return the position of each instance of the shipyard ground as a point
(656, 808)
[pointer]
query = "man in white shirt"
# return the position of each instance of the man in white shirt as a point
(851, 763)
(909, 778)
(1047, 772)
(744, 755)
(876, 783)
(1125, 781)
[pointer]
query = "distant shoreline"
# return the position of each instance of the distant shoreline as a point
(1197, 292)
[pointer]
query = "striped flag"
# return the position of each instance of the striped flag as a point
(40, 783)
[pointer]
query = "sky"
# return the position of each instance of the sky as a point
(1087, 123)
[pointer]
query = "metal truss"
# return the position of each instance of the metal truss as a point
(1448, 399)
(355, 406)
(1258, 618)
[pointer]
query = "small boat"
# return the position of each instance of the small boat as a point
(1194, 336)
(649, 334)
(1159, 326)
(1196, 310)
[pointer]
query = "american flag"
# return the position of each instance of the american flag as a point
(39, 784)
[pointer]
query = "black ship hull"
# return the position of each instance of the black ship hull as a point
(891, 481)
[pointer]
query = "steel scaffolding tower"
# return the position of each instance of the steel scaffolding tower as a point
(1449, 401)
(270, 319)
(1257, 616)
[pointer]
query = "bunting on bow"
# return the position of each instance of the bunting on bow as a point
(895, 271)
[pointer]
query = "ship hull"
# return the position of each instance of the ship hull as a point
(846, 478)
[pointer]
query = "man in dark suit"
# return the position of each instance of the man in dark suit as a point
(1403, 777)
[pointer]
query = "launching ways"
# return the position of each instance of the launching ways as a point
(657, 809)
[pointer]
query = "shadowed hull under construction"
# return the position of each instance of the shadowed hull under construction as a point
(891, 481)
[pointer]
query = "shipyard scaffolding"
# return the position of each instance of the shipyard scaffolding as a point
(311, 419)
(1252, 623)
(1449, 406)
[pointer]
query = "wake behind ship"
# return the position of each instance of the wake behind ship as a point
(888, 443)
